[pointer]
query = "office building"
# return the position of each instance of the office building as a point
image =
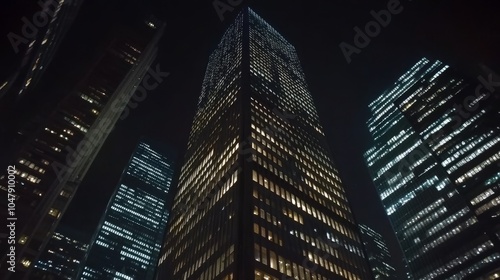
(435, 164)
(378, 254)
(259, 196)
(38, 40)
(63, 255)
(127, 242)
(33, 47)
(56, 154)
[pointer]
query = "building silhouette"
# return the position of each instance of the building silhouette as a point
(38, 41)
(435, 164)
(378, 254)
(33, 48)
(128, 240)
(53, 155)
(259, 196)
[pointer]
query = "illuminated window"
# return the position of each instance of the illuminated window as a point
(54, 212)
(23, 239)
(25, 262)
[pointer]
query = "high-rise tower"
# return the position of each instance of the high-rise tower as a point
(128, 239)
(378, 254)
(54, 156)
(47, 31)
(63, 255)
(258, 196)
(38, 41)
(435, 163)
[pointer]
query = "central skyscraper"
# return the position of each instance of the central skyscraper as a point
(258, 196)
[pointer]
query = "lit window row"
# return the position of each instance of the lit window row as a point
(492, 203)
(267, 233)
(32, 165)
(472, 172)
(28, 177)
(218, 266)
(286, 267)
(467, 255)
(445, 236)
(300, 204)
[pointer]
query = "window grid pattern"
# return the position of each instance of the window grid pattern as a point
(434, 168)
(298, 195)
(60, 148)
(202, 229)
(255, 111)
(128, 240)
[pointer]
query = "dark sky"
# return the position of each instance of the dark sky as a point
(461, 33)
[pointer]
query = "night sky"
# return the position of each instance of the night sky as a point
(460, 33)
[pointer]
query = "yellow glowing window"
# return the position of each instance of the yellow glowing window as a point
(54, 212)
(23, 239)
(25, 262)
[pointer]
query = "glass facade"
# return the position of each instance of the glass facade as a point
(129, 237)
(56, 154)
(436, 170)
(259, 197)
(378, 254)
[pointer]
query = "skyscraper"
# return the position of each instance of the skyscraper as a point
(435, 167)
(63, 255)
(128, 240)
(378, 254)
(258, 196)
(38, 40)
(55, 156)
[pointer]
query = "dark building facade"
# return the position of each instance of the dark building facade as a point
(259, 196)
(128, 240)
(52, 157)
(378, 254)
(33, 48)
(435, 163)
(38, 40)
(63, 256)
